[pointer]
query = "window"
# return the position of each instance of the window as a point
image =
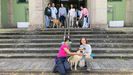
(22, 1)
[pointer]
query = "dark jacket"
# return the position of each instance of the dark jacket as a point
(47, 11)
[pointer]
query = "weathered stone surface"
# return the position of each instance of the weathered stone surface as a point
(36, 14)
(0, 15)
(10, 12)
(46, 66)
(98, 13)
(26, 64)
(129, 13)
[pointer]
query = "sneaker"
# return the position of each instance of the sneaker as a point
(88, 69)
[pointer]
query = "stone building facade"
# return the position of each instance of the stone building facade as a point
(98, 13)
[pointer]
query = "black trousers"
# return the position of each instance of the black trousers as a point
(62, 19)
(62, 66)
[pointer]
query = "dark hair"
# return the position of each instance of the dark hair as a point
(61, 4)
(82, 5)
(67, 39)
(49, 3)
(85, 40)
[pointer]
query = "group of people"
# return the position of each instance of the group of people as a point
(62, 13)
(64, 51)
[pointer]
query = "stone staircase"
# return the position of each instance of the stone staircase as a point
(45, 44)
(31, 53)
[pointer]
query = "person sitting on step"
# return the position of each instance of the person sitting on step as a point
(87, 53)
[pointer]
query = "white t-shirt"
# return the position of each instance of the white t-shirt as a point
(54, 12)
(72, 12)
(87, 48)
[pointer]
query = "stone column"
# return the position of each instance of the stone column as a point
(98, 13)
(10, 13)
(0, 15)
(129, 13)
(36, 14)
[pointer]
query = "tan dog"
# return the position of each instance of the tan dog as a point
(73, 60)
(56, 23)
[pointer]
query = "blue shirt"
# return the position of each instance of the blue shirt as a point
(62, 11)
(54, 12)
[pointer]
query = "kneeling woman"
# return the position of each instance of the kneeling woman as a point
(87, 53)
(62, 65)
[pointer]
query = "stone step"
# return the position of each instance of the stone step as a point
(57, 30)
(72, 36)
(72, 73)
(53, 55)
(97, 49)
(91, 40)
(72, 29)
(55, 50)
(45, 66)
(56, 45)
(61, 32)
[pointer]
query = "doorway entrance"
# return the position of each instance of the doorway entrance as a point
(76, 3)
(67, 3)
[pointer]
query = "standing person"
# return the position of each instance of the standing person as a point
(61, 61)
(72, 15)
(54, 11)
(62, 14)
(88, 51)
(85, 15)
(78, 13)
(47, 13)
